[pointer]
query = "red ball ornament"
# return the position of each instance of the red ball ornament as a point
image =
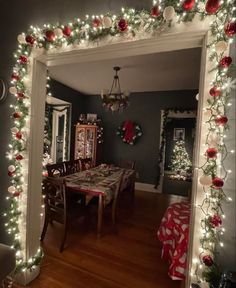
(155, 11)
(207, 260)
(67, 31)
(211, 152)
(15, 76)
(96, 22)
(16, 194)
(18, 135)
(221, 120)
(123, 25)
(215, 221)
(50, 35)
(212, 6)
(19, 157)
(230, 29)
(30, 39)
(217, 182)
(10, 173)
(215, 91)
(188, 4)
(16, 115)
(20, 95)
(23, 59)
(225, 61)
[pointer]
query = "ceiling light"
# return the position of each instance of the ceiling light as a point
(114, 99)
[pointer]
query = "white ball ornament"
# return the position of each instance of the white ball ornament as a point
(58, 32)
(107, 22)
(13, 90)
(169, 13)
(11, 168)
(205, 180)
(213, 140)
(11, 189)
(14, 130)
(221, 46)
(21, 39)
(207, 113)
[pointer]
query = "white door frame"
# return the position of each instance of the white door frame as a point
(187, 37)
(171, 114)
(55, 123)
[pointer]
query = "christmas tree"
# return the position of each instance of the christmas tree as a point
(180, 162)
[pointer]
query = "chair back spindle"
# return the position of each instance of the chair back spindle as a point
(56, 170)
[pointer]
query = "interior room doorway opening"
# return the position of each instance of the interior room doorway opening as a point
(185, 40)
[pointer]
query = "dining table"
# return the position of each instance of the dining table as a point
(99, 182)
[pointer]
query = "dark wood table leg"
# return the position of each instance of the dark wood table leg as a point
(100, 215)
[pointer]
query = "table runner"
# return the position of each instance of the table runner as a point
(98, 180)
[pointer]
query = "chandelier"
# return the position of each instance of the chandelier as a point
(114, 99)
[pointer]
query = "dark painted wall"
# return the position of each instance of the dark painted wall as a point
(16, 17)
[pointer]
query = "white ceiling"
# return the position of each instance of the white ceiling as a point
(55, 101)
(176, 70)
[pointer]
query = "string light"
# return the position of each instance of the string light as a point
(82, 31)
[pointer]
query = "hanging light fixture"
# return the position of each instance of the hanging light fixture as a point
(114, 99)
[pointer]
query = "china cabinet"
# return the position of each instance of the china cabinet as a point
(86, 142)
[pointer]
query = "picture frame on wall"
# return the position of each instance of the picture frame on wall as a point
(179, 134)
(91, 117)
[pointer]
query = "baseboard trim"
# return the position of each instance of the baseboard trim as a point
(146, 187)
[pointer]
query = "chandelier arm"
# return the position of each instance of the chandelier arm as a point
(112, 86)
(114, 99)
(118, 82)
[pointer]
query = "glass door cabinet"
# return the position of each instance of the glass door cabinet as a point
(86, 142)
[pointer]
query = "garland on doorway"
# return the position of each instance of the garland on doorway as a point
(131, 24)
(129, 132)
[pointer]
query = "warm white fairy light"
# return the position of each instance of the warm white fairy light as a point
(88, 29)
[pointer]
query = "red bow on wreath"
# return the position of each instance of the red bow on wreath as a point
(128, 127)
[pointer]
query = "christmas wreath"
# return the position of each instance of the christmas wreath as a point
(129, 132)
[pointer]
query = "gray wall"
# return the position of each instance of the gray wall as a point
(15, 18)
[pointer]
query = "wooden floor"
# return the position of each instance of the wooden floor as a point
(126, 258)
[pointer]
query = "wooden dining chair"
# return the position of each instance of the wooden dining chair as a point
(86, 164)
(56, 170)
(127, 164)
(57, 207)
(72, 166)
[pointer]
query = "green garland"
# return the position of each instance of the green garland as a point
(132, 23)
